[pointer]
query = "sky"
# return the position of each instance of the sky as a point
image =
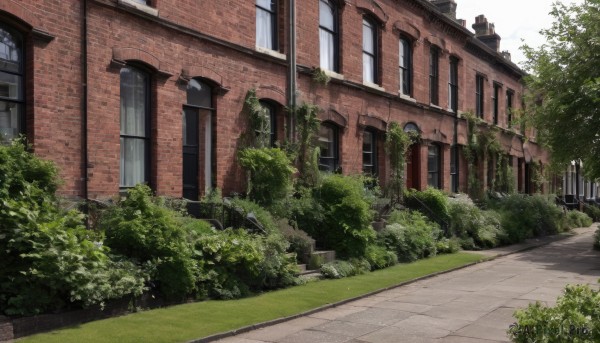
(514, 20)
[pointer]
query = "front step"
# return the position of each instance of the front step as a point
(319, 258)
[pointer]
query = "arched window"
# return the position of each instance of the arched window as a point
(370, 152)
(405, 66)
(328, 35)
(135, 127)
(12, 119)
(266, 24)
(369, 51)
(433, 166)
(329, 147)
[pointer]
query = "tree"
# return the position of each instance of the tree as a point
(564, 85)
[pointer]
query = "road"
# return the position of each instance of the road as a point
(474, 304)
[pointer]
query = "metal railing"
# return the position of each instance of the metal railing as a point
(429, 213)
(224, 215)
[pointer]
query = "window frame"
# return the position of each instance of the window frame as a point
(373, 152)
(405, 65)
(335, 34)
(454, 169)
(271, 109)
(496, 102)
(335, 145)
(375, 55)
(434, 75)
(453, 85)
(273, 14)
(21, 99)
(147, 138)
(479, 95)
(434, 174)
(510, 94)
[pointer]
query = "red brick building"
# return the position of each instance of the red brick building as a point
(118, 92)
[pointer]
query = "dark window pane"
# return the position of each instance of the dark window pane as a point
(199, 94)
(10, 120)
(10, 50)
(326, 15)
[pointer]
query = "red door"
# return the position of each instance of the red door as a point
(412, 167)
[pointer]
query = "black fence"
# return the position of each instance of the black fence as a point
(224, 215)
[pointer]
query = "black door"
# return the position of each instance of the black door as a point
(191, 151)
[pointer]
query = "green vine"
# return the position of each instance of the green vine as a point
(319, 76)
(397, 143)
(483, 145)
(259, 124)
(307, 151)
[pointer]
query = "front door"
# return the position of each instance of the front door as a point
(191, 133)
(412, 167)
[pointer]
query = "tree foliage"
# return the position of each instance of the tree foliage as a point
(564, 85)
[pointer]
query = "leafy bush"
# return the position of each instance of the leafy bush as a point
(141, 229)
(341, 269)
(575, 318)
(410, 235)
(234, 263)
(577, 219)
(434, 199)
(524, 216)
(47, 258)
(469, 221)
(379, 257)
(300, 242)
(448, 245)
(346, 225)
(593, 211)
(270, 174)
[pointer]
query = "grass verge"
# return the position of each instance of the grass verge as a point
(186, 322)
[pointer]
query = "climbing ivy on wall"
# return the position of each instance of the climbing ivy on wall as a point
(397, 143)
(259, 124)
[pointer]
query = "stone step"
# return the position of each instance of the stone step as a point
(318, 258)
(302, 268)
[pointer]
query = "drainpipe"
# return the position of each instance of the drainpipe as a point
(84, 107)
(292, 66)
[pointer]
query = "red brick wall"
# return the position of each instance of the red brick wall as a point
(215, 40)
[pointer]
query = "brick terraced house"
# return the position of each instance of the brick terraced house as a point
(119, 92)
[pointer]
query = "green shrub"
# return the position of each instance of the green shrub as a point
(270, 174)
(300, 242)
(434, 200)
(346, 225)
(139, 228)
(341, 269)
(597, 240)
(379, 257)
(593, 211)
(575, 318)
(48, 260)
(448, 245)
(524, 216)
(263, 216)
(410, 235)
(469, 221)
(577, 219)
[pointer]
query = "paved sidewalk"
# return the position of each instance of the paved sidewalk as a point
(474, 304)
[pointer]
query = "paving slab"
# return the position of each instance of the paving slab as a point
(474, 304)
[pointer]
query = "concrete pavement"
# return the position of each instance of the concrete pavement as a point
(474, 304)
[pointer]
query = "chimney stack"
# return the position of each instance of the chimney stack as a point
(448, 7)
(506, 55)
(486, 33)
(462, 22)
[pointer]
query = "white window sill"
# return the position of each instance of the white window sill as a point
(140, 7)
(407, 97)
(435, 106)
(374, 86)
(333, 74)
(271, 53)
(450, 110)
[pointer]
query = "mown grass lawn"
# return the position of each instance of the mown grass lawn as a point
(191, 321)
